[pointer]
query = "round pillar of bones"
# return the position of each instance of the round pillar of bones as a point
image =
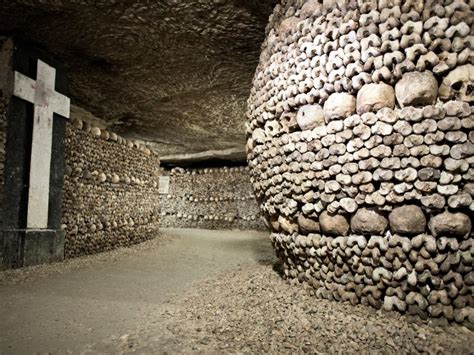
(360, 144)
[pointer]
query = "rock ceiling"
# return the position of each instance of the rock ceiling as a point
(175, 72)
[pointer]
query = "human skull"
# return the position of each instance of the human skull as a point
(458, 84)
(288, 122)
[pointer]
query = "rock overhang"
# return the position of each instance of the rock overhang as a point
(175, 74)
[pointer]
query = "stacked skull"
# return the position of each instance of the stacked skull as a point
(361, 149)
(210, 198)
(110, 196)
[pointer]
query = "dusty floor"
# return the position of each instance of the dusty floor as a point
(252, 311)
(67, 306)
(198, 292)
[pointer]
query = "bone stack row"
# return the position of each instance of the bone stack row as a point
(210, 198)
(361, 149)
(313, 50)
(422, 274)
(110, 191)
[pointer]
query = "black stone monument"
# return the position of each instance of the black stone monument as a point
(19, 245)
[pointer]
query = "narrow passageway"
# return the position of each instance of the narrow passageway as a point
(236, 177)
(66, 310)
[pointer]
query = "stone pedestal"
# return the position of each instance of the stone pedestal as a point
(26, 247)
(21, 244)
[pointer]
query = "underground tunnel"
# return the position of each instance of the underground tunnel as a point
(236, 176)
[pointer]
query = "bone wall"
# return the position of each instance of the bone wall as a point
(361, 150)
(210, 198)
(110, 191)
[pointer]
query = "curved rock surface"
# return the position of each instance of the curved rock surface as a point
(175, 73)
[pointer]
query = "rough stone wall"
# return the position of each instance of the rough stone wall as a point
(110, 191)
(210, 198)
(360, 144)
(3, 139)
(208, 51)
(5, 91)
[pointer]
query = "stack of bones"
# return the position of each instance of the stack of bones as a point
(110, 191)
(211, 198)
(360, 144)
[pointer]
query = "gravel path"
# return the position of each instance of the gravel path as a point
(252, 310)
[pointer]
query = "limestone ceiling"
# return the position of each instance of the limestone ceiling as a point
(174, 72)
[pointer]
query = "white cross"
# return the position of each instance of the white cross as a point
(46, 101)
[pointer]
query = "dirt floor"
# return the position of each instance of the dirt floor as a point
(196, 291)
(66, 306)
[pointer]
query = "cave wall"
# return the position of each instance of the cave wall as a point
(110, 191)
(360, 143)
(5, 92)
(3, 139)
(210, 198)
(136, 64)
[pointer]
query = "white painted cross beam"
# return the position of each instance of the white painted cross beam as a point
(41, 93)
